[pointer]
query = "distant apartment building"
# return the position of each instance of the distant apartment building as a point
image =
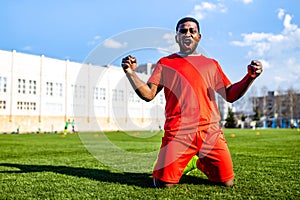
(279, 109)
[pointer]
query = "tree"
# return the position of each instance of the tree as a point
(230, 120)
(264, 92)
(256, 116)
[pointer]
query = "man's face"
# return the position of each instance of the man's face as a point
(187, 37)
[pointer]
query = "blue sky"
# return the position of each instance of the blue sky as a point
(233, 31)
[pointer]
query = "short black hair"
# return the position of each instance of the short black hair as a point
(187, 19)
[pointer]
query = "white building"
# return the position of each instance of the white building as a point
(38, 93)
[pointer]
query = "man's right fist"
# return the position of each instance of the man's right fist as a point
(255, 68)
(129, 63)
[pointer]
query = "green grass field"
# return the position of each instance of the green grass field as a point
(49, 166)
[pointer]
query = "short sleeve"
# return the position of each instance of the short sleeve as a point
(156, 77)
(221, 80)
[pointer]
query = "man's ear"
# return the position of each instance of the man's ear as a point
(176, 40)
(199, 37)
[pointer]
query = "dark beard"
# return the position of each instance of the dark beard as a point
(188, 51)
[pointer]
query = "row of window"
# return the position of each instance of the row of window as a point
(26, 86)
(55, 89)
(30, 87)
(117, 95)
(21, 105)
(99, 93)
(133, 98)
(78, 91)
(24, 105)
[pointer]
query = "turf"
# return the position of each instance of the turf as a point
(49, 166)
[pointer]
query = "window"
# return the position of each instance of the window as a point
(114, 95)
(102, 94)
(32, 87)
(25, 86)
(24, 105)
(121, 95)
(49, 88)
(21, 86)
(81, 91)
(3, 84)
(19, 105)
(2, 105)
(58, 90)
(131, 97)
(54, 89)
(96, 93)
(74, 90)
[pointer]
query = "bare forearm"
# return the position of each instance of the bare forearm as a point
(145, 91)
(141, 88)
(237, 90)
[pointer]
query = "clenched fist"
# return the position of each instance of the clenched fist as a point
(255, 69)
(129, 64)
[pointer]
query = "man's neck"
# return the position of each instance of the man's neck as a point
(185, 54)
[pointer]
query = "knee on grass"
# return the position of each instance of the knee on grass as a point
(228, 183)
(161, 184)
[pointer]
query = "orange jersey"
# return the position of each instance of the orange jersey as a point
(189, 85)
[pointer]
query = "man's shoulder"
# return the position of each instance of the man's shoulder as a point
(167, 59)
(171, 56)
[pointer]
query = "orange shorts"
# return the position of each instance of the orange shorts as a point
(175, 152)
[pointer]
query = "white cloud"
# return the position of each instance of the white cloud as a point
(287, 24)
(247, 1)
(265, 64)
(280, 53)
(110, 43)
(94, 41)
(281, 13)
(201, 10)
(205, 6)
(262, 43)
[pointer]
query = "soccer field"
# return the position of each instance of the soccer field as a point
(49, 166)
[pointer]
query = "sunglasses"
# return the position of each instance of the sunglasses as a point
(185, 30)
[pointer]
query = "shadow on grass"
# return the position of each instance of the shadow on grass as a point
(143, 180)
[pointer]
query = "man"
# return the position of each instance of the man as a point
(66, 127)
(192, 120)
(73, 126)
